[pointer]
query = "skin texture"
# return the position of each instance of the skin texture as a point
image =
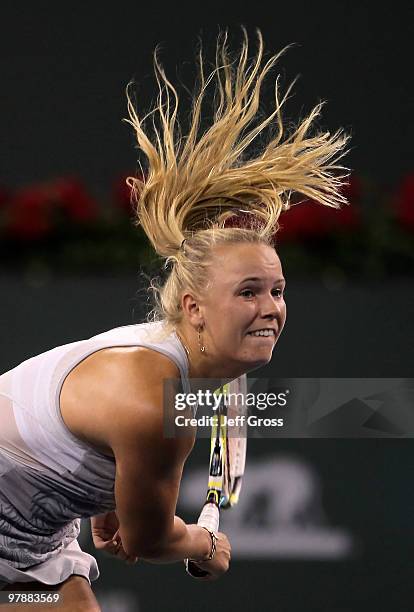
(113, 400)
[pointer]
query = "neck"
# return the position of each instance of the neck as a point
(204, 370)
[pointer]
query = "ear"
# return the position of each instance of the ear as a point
(192, 310)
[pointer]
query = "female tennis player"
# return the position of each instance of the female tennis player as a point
(82, 424)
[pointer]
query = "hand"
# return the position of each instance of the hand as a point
(106, 537)
(220, 563)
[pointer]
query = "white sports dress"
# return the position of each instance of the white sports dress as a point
(49, 479)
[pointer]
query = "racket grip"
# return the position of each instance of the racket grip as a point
(210, 519)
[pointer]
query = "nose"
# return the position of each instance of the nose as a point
(272, 308)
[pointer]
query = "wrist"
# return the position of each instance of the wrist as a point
(208, 541)
(213, 543)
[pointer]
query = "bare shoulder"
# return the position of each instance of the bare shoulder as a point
(113, 389)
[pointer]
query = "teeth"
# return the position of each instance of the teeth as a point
(262, 332)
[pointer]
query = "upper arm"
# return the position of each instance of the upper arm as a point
(148, 465)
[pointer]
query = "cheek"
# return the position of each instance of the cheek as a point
(229, 319)
(283, 315)
(219, 319)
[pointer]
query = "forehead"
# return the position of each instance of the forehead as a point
(233, 262)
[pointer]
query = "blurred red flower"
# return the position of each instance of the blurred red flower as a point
(32, 212)
(5, 196)
(28, 214)
(403, 202)
(75, 200)
(309, 219)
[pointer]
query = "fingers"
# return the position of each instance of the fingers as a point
(214, 568)
(115, 548)
(220, 563)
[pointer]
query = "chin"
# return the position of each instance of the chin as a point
(259, 363)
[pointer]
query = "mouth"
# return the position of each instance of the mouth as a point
(263, 334)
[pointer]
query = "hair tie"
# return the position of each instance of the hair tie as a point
(182, 244)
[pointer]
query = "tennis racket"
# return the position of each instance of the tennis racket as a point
(227, 459)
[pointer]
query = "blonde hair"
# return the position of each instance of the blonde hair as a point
(197, 183)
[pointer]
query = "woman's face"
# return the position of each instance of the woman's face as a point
(244, 294)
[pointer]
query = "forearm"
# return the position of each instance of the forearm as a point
(183, 541)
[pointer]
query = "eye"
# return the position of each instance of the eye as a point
(277, 292)
(247, 293)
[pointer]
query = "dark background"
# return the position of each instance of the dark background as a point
(64, 68)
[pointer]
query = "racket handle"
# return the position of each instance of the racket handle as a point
(209, 518)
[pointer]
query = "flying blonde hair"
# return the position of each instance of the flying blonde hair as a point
(196, 183)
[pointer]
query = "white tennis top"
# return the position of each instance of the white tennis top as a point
(49, 479)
